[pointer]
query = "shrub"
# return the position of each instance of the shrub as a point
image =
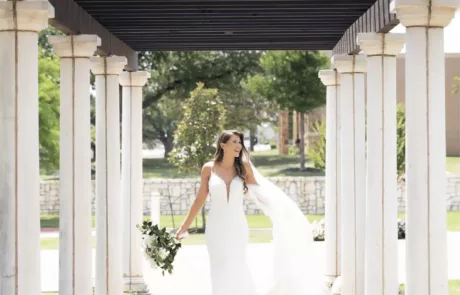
(318, 230)
(401, 139)
(317, 150)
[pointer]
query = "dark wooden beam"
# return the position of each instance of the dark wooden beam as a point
(70, 18)
(376, 19)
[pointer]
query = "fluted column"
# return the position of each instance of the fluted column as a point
(331, 79)
(20, 23)
(426, 245)
(109, 273)
(381, 203)
(353, 170)
(75, 247)
(132, 179)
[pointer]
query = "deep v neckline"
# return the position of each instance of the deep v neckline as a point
(227, 186)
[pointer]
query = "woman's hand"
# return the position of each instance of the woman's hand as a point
(182, 232)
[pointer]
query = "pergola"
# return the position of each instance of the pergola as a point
(104, 36)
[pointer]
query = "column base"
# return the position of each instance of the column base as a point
(135, 286)
(336, 288)
(329, 281)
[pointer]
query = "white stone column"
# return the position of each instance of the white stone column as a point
(426, 245)
(353, 170)
(381, 203)
(19, 146)
(331, 79)
(75, 247)
(132, 178)
(109, 273)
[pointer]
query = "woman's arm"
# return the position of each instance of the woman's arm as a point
(199, 201)
(250, 179)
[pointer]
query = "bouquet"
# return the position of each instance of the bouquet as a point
(159, 247)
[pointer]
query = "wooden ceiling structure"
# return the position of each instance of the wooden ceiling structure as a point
(128, 26)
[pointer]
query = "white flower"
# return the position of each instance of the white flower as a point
(147, 241)
(163, 253)
(153, 263)
(146, 256)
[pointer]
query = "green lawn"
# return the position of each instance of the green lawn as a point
(453, 220)
(254, 221)
(454, 287)
(268, 163)
(453, 164)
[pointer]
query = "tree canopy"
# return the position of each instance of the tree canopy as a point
(203, 120)
(176, 74)
(290, 78)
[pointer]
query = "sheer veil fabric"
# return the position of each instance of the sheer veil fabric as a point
(294, 265)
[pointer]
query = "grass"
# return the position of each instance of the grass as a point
(254, 221)
(53, 243)
(453, 220)
(453, 164)
(454, 287)
(269, 163)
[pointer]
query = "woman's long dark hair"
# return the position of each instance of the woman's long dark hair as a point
(244, 154)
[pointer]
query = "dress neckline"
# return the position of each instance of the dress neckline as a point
(227, 186)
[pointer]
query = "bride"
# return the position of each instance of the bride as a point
(228, 179)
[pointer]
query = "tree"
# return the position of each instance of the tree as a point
(247, 110)
(317, 150)
(290, 78)
(401, 138)
(160, 122)
(175, 74)
(48, 104)
(203, 119)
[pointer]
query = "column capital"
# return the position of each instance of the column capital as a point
(111, 65)
(30, 15)
(424, 13)
(75, 45)
(329, 77)
(380, 43)
(133, 79)
(349, 64)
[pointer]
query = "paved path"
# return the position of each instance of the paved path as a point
(191, 275)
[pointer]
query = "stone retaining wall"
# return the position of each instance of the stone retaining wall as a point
(178, 194)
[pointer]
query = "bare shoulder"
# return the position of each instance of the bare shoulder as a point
(248, 168)
(206, 170)
(249, 173)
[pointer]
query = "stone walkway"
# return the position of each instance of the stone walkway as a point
(191, 275)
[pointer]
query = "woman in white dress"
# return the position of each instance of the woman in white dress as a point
(228, 179)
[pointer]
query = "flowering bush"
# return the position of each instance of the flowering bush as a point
(318, 229)
(159, 247)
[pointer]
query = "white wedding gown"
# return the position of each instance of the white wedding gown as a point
(227, 238)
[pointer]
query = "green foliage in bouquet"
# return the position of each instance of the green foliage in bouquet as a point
(160, 247)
